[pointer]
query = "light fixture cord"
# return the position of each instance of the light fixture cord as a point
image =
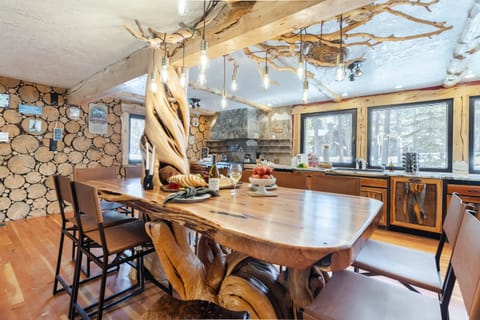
(183, 54)
(204, 18)
(301, 42)
(224, 68)
(165, 44)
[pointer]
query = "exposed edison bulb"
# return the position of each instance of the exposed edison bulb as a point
(233, 85)
(340, 68)
(300, 68)
(153, 82)
(164, 70)
(223, 102)
(202, 79)
(182, 8)
(203, 55)
(305, 91)
(266, 79)
(183, 78)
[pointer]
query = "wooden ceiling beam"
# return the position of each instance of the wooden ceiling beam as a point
(267, 20)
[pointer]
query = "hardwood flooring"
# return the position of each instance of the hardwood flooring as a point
(28, 253)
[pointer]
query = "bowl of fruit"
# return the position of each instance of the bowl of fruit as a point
(262, 178)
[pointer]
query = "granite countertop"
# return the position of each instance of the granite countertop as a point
(380, 174)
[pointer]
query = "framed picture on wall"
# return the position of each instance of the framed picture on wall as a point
(57, 134)
(97, 118)
(35, 126)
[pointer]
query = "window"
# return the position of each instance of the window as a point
(474, 135)
(136, 127)
(424, 128)
(335, 130)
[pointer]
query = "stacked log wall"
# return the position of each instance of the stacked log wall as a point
(26, 162)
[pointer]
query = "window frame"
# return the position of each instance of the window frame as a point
(449, 103)
(471, 136)
(130, 117)
(353, 112)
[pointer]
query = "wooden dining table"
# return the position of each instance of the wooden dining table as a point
(290, 227)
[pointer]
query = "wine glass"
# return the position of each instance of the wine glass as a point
(235, 174)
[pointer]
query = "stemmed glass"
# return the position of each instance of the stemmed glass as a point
(235, 174)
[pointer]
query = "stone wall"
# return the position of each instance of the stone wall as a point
(26, 162)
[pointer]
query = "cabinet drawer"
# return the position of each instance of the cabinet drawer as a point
(465, 190)
(373, 182)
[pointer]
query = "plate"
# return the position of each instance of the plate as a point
(193, 199)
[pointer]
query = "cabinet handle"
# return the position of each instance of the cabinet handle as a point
(473, 190)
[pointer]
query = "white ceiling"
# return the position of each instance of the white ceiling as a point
(61, 43)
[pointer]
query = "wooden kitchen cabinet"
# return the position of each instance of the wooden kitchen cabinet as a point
(416, 203)
(376, 188)
(469, 191)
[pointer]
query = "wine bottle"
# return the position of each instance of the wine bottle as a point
(214, 176)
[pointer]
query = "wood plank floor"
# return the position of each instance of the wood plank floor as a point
(28, 253)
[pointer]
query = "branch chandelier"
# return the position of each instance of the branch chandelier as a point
(330, 51)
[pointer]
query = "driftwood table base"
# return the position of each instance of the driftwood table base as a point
(305, 232)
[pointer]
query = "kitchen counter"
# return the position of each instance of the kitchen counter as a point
(378, 173)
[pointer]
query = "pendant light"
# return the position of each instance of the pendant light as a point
(183, 70)
(164, 65)
(266, 79)
(300, 68)
(224, 92)
(340, 56)
(234, 85)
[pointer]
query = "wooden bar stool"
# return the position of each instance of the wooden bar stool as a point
(125, 243)
(350, 295)
(98, 173)
(69, 227)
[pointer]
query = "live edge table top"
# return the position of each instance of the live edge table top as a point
(296, 228)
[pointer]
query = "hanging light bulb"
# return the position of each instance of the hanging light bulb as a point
(164, 70)
(183, 78)
(300, 67)
(223, 102)
(234, 85)
(203, 55)
(340, 57)
(203, 44)
(202, 79)
(305, 91)
(182, 7)
(153, 82)
(266, 79)
(340, 67)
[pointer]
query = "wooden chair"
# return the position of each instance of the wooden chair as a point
(69, 227)
(120, 244)
(350, 295)
(410, 266)
(336, 184)
(133, 172)
(294, 180)
(85, 174)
